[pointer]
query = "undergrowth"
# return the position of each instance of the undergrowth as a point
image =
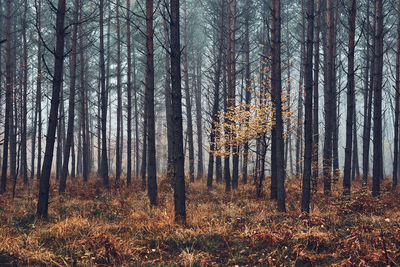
(92, 225)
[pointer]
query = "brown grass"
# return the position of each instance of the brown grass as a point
(91, 225)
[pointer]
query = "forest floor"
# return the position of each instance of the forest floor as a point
(90, 225)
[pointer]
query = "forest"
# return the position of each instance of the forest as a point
(199, 132)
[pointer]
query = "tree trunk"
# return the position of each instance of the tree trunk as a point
(299, 129)
(187, 97)
(315, 164)
(84, 115)
(104, 171)
(24, 111)
(276, 89)
(235, 148)
(43, 201)
(247, 93)
(378, 69)
(149, 103)
(71, 111)
(216, 100)
(129, 95)
(328, 99)
(178, 157)
(397, 108)
(350, 98)
(119, 100)
(8, 113)
(199, 123)
(308, 138)
(168, 97)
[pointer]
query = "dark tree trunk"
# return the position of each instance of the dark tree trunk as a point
(9, 107)
(216, 100)
(378, 69)
(39, 90)
(235, 148)
(149, 103)
(168, 97)
(247, 93)
(84, 116)
(328, 99)
(24, 111)
(368, 93)
(42, 206)
(178, 157)
(299, 129)
(188, 97)
(129, 95)
(199, 123)
(308, 138)
(315, 164)
(71, 108)
(336, 102)
(276, 89)
(119, 101)
(397, 106)
(104, 171)
(350, 98)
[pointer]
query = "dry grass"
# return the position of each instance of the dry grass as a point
(90, 225)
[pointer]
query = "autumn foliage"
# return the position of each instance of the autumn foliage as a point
(90, 225)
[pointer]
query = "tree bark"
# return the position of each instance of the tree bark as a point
(178, 156)
(350, 98)
(315, 164)
(71, 102)
(119, 100)
(9, 107)
(276, 89)
(397, 106)
(43, 201)
(129, 95)
(378, 69)
(149, 103)
(328, 99)
(189, 119)
(308, 138)
(104, 160)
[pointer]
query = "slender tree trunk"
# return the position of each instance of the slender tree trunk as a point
(129, 95)
(178, 157)
(350, 98)
(235, 148)
(24, 111)
(39, 90)
(215, 108)
(315, 164)
(119, 100)
(336, 101)
(71, 103)
(168, 97)
(328, 98)
(149, 102)
(84, 115)
(199, 123)
(42, 206)
(247, 93)
(368, 99)
(378, 69)
(8, 113)
(276, 89)
(397, 108)
(308, 138)
(104, 160)
(188, 97)
(299, 129)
